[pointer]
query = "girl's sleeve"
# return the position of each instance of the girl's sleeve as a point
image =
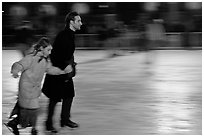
(22, 65)
(53, 70)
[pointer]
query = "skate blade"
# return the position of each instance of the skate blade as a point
(9, 128)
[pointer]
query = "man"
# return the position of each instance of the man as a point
(61, 88)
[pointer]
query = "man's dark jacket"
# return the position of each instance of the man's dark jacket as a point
(61, 86)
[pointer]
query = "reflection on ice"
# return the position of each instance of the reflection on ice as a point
(125, 96)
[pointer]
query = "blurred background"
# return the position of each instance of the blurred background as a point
(136, 92)
(106, 24)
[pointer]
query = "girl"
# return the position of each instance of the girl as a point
(32, 68)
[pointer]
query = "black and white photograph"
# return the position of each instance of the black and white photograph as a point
(101, 67)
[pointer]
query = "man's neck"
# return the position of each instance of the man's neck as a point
(72, 28)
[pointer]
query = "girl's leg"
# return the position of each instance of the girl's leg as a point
(13, 124)
(34, 121)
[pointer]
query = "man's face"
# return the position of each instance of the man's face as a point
(76, 23)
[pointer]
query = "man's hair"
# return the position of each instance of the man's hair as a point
(70, 16)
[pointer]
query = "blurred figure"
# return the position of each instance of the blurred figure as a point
(101, 35)
(155, 36)
(188, 28)
(141, 28)
(24, 36)
(32, 68)
(61, 88)
(111, 41)
(111, 34)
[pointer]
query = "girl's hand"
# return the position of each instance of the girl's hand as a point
(68, 69)
(15, 75)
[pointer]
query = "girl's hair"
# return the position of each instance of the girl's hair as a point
(42, 42)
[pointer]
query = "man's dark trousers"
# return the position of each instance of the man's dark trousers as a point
(65, 112)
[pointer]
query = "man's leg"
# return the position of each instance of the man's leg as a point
(51, 108)
(66, 109)
(65, 114)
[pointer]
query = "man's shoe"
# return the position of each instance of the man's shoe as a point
(50, 128)
(34, 131)
(13, 127)
(70, 124)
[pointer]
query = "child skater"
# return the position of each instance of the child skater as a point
(32, 68)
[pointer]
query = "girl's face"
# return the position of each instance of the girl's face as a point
(47, 51)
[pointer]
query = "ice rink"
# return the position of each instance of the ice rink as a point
(124, 95)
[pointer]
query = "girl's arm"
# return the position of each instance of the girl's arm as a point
(15, 69)
(21, 65)
(57, 71)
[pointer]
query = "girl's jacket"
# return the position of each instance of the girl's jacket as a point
(34, 68)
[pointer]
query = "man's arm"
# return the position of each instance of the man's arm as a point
(62, 50)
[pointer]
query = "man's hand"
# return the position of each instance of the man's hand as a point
(68, 69)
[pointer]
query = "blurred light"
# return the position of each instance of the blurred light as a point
(48, 9)
(193, 5)
(81, 8)
(103, 6)
(18, 11)
(151, 6)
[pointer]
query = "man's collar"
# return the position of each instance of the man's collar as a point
(70, 28)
